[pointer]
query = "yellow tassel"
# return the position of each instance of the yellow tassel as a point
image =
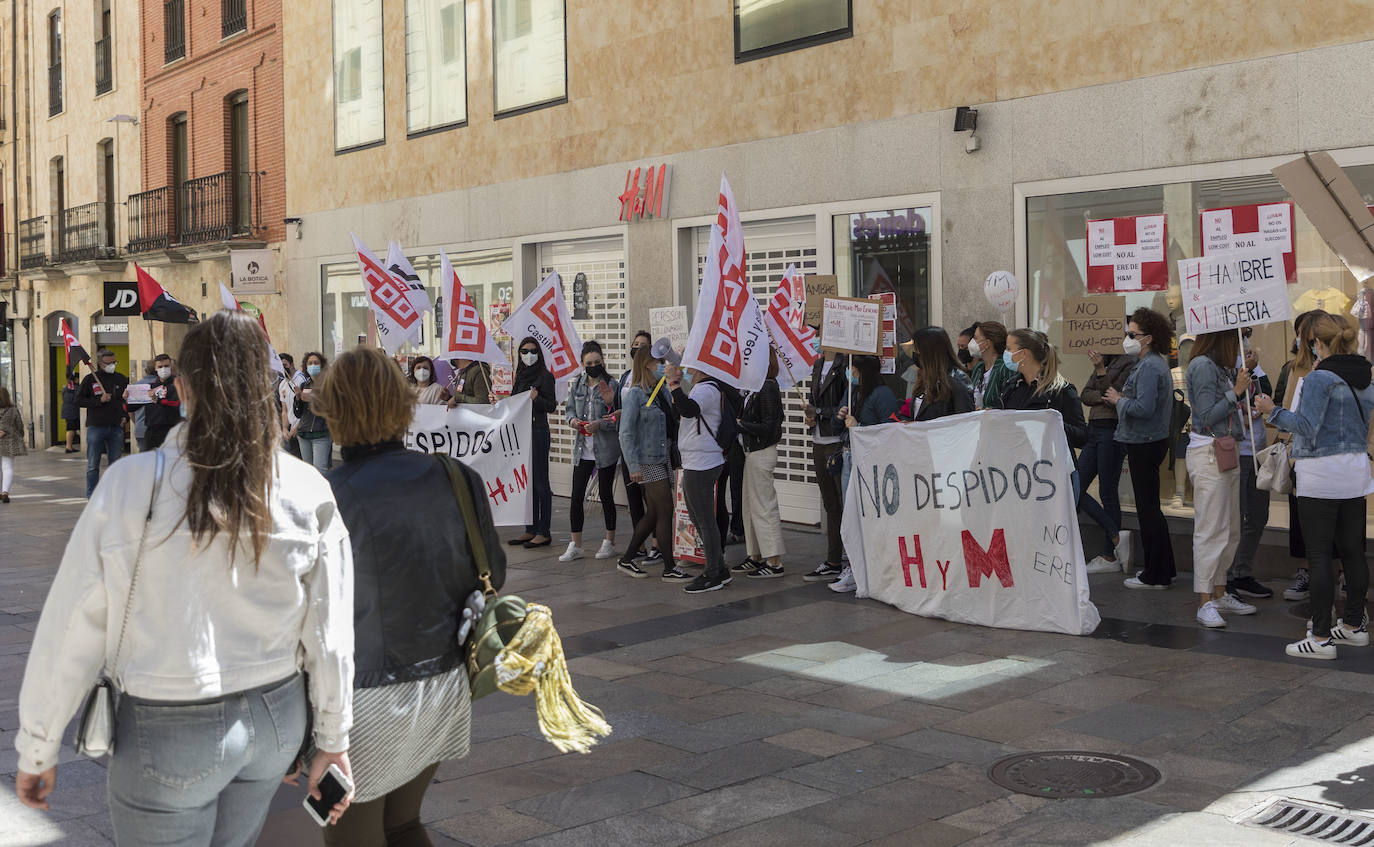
(533, 662)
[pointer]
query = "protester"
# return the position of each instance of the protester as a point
(139, 410)
(591, 412)
(164, 412)
(634, 495)
(826, 396)
(990, 371)
(1038, 384)
(11, 442)
(71, 413)
(229, 566)
(965, 358)
(471, 383)
(648, 432)
(531, 375)
(1143, 411)
(1254, 501)
(876, 404)
(942, 388)
(703, 460)
(1214, 387)
(102, 395)
(760, 425)
(411, 702)
(427, 391)
(312, 433)
(1290, 376)
(1331, 440)
(286, 398)
(1101, 460)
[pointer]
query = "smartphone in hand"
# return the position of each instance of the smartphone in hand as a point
(334, 786)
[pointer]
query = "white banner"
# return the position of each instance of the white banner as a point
(972, 519)
(253, 271)
(492, 440)
(1234, 289)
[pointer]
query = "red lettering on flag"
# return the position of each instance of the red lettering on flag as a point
(562, 359)
(989, 562)
(388, 294)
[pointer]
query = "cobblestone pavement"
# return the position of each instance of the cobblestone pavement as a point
(778, 712)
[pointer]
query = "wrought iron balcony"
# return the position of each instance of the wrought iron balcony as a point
(33, 251)
(204, 210)
(173, 30)
(233, 17)
(104, 67)
(84, 233)
(150, 220)
(55, 89)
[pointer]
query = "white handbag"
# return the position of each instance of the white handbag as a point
(1275, 473)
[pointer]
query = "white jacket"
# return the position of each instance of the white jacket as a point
(695, 441)
(200, 627)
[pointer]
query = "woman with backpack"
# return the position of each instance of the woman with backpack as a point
(591, 412)
(760, 424)
(708, 426)
(648, 435)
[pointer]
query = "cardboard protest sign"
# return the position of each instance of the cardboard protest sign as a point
(1335, 207)
(686, 540)
(1094, 323)
(970, 518)
(1251, 228)
(818, 288)
(1233, 290)
(852, 325)
(492, 440)
(669, 322)
(1127, 254)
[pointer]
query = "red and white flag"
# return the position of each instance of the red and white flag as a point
(544, 317)
(228, 301)
(791, 338)
(400, 267)
(728, 340)
(397, 317)
(465, 334)
(71, 345)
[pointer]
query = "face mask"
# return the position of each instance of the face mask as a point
(313, 370)
(687, 382)
(182, 408)
(109, 369)
(596, 371)
(422, 374)
(853, 377)
(1314, 352)
(1131, 346)
(1008, 360)
(529, 359)
(974, 351)
(164, 373)
(965, 356)
(815, 345)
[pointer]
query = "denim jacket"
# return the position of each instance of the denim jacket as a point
(585, 404)
(1211, 391)
(1327, 422)
(1147, 402)
(643, 431)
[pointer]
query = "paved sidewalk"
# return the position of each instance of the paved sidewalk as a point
(778, 712)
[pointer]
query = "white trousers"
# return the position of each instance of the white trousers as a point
(762, 525)
(6, 473)
(1216, 518)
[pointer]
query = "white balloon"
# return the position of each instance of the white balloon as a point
(1002, 289)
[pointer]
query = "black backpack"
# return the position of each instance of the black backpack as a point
(728, 435)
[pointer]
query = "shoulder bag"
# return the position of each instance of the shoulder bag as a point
(95, 733)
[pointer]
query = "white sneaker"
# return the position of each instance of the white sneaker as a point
(1134, 582)
(607, 550)
(845, 584)
(1123, 550)
(1101, 564)
(1310, 648)
(1209, 617)
(573, 552)
(1343, 633)
(1232, 605)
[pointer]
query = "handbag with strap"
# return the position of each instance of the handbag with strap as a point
(1275, 473)
(514, 647)
(96, 730)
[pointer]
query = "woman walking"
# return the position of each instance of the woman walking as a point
(591, 412)
(427, 391)
(1330, 427)
(760, 423)
(71, 413)
(648, 432)
(215, 571)
(531, 375)
(1215, 388)
(1101, 460)
(1143, 411)
(411, 702)
(312, 433)
(11, 442)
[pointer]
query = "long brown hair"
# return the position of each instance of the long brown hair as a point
(642, 369)
(232, 431)
(1334, 331)
(936, 360)
(1222, 347)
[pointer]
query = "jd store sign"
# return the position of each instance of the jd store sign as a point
(121, 299)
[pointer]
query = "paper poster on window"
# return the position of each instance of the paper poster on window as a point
(889, 329)
(1254, 227)
(1128, 254)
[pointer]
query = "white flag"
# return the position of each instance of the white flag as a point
(728, 339)
(400, 267)
(228, 301)
(397, 318)
(791, 338)
(544, 317)
(464, 334)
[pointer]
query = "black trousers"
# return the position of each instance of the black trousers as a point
(731, 480)
(634, 493)
(605, 482)
(830, 500)
(1144, 461)
(1340, 523)
(393, 819)
(155, 436)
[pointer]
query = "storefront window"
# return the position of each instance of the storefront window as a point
(530, 48)
(359, 111)
(436, 69)
(887, 251)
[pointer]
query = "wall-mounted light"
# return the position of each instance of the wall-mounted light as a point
(122, 119)
(966, 120)
(299, 224)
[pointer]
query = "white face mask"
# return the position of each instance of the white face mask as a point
(109, 369)
(529, 359)
(422, 374)
(1131, 346)
(974, 350)
(164, 373)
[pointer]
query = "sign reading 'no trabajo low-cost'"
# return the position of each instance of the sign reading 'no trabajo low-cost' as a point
(1227, 291)
(1094, 323)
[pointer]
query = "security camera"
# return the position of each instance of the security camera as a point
(973, 144)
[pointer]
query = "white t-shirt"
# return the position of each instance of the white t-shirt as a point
(698, 446)
(816, 430)
(288, 401)
(1343, 476)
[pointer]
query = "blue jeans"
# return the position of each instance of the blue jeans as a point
(317, 451)
(539, 481)
(101, 439)
(1101, 460)
(203, 772)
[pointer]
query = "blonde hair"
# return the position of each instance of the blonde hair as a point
(1038, 345)
(1335, 332)
(642, 369)
(364, 398)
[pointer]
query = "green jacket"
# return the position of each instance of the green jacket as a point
(997, 382)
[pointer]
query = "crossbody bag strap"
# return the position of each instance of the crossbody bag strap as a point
(468, 509)
(1358, 407)
(138, 559)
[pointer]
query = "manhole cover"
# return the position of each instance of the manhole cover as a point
(1068, 774)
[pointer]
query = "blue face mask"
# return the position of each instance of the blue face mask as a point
(1008, 360)
(686, 382)
(853, 377)
(313, 370)
(1314, 352)
(816, 345)
(182, 408)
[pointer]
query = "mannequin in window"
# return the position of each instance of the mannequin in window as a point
(1363, 312)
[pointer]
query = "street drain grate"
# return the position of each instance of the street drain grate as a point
(1073, 774)
(1318, 821)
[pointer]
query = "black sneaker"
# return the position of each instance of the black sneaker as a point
(1301, 588)
(652, 556)
(825, 573)
(1249, 587)
(749, 565)
(765, 572)
(631, 570)
(641, 553)
(676, 575)
(703, 583)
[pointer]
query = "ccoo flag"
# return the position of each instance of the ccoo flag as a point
(465, 335)
(397, 318)
(400, 267)
(72, 345)
(157, 305)
(544, 317)
(791, 338)
(728, 339)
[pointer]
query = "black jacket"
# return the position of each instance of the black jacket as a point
(959, 402)
(165, 413)
(1021, 395)
(112, 413)
(412, 569)
(761, 420)
(546, 402)
(309, 421)
(829, 395)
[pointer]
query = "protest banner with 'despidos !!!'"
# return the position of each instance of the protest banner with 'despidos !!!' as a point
(492, 440)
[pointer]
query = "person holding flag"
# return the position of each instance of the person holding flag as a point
(534, 377)
(465, 338)
(543, 318)
(102, 395)
(761, 426)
